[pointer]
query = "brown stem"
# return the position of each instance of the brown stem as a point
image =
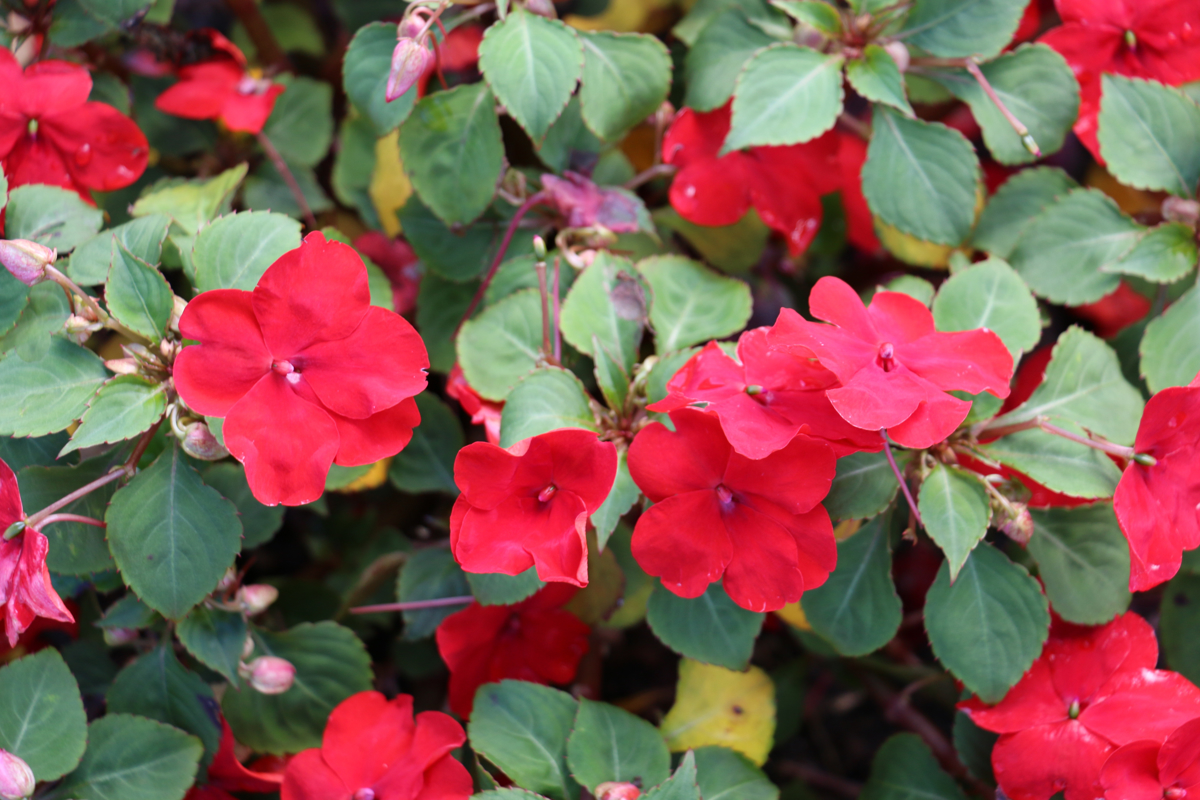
(73, 518)
(855, 125)
(1118, 450)
(414, 605)
(649, 174)
(71, 288)
(912, 504)
(269, 51)
(33, 520)
(1017, 125)
(286, 173)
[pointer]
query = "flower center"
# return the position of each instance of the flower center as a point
(725, 496)
(364, 793)
(253, 83)
(512, 625)
(1175, 793)
(545, 494)
(1131, 40)
(33, 128)
(1073, 711)
(887, 356)
(286, 369)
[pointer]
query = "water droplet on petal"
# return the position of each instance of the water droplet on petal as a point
(83, 156)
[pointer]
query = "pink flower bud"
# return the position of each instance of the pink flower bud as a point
(116, 637)
(247, 646)
(899, 53)
(199, 442)
(26, 260)
(614, 790)
(16, 778)
(543, 8)
(410, 60)
(257, 598)
(269, 674)
(122, 366)
(410, 26)
(1179, 209)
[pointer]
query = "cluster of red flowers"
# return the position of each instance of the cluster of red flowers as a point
(222, 88)
(1093, 718)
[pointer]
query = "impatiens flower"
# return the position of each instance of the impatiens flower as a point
(25, 590)
(894, 368)
(304, 369)
(758, 523)
(1158, 505)
(764, 401)
(529, 505)
(1154, 39)
(373, 749)
(1092, 690)
(860, 223)
(226, 774)
(1149, 771)
(483, 412)
(398, 261)
(783, 184)
(50, 132)
(534, 640)
(221, 88)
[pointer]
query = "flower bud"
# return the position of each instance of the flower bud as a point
(116, 637)
(26, 260)
(176, 313)
(615, 790)
(247, 647)
(1019, 528)
(410, 26)
(16, 778)
(899, 53)
(121, 366)
(228, 580)
(199, 442)
(410, 60)
(269, 674)
(1179, 209)
(543, 8)
(257, 597)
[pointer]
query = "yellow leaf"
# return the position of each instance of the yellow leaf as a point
(846, 528)
(390, 188)
(373, 478)
(1130, 200)
(793, 615)
(623, 16)
(919, 252)
(717, 706)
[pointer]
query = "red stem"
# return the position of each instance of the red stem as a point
(73, 518)
(557, 332)
(286, 173)
(491, 273)
(887, 451)
(33, 520)
(414, 605)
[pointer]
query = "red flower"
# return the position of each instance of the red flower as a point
(25, 590)
(483, 412)
(222, 88)
(226, 774)
(529, 505)
(1158, 506)
(1150, 771)
(766, 400)
(398, 261)
(1091, 691)
(373, 750)
(894, 368)
(784, 184)
(1116, 311)
(534, 640)
(1155, 39)
(305, 371)
(50, 133)
(759, 523)
(860, 224)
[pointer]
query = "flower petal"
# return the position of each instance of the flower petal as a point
(1179, 758)
(696, 136)
(1143, 704)
(29, 593)
(1033, 702)
(466, 641)
(366, 734)
(968, 361)
(796, 478)
(1038, 763)
(683, 541)
(1131, 773)
(900, 318)
(935, 418)
(834, 301)
(308, 777)
(841, 351)
(763, 573)
(201, 91)
(578, 463)
(10, 497)
(874, 399)
(230, 358)
(102, 148)
(365, 441)
(248, 113)
(522, 532)
(54, 87)
(447, 779)
(712, 192)
(693, 456)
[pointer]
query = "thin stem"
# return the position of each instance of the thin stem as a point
(491, 273)
(540, 268)
(1108, 447)
(649, 174)
(557, 332)
(414, 605)
(73, 518)
(256, 25)
(33, 520)
(887, 451)
(286, 173)
(1018, 126)
(72, 288)
(855, 125)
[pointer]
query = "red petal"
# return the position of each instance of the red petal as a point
(249, 112)
(935, 418)
(365, 735)
(872, 399)
(230, 773)
(764, 573)
(1145, 704)
(25, 588)
(832, 300)
(1083, 660)
(712, 192)
(37, 161)
(1038, 763)
(10, 82)
(683, 541)
(10, 497)
(970, 361)
(553, 642)
(54, 87)
(815, 544)
(694, 456)
(860, 223)
(785, 199)
(1088, 48)
(795, 478)
(230, 358)
(813, 163)
(522, 532)
(694, 136)
(900, 318)
(574, 460)
(365, 441)
(102, 148)
(201, 91)
(484, 473)
(1131, 773)
(308, 777)
(1179, 758)
(447, 779)
(1031, 703)
(755, 429)
(466, 640)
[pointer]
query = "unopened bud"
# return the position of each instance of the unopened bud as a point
(257, 597)
(899, 53)
(410, 26)
(1020, 527)
(176, 313)
(615, 790)
(539, 248)
(121, 366)
(199, 442)
(16, 778)
(410, 60)
(269, 674)
(1179, 209)
(543, 8)
(26, 260)
(116, 637)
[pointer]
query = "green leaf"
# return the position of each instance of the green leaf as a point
(702, 14)
(1163, 254)
(45, 310)
(457, 255)
(857, 608)
(786, 94)
(138, 295)
(691, 303)
(133, 758)
(1064, 466)
(532, 64)
(905, 769)
(1083, 561)
(1148, 134)
(427, 463)
(989, 625)
(453, 152)
(500, 346)
(568, 139)
(41, 714)
(974, 746)
(48, 395)
(709, 628)
(626, 78)
(717, 57)
(961, 28)
(608, 302)
(301, 123)
(523, 729)
(1063, 252)
(331, 664)
(875, 75)
(365, 71)
(75, 548)
(1168, 349)
(158, 687)
(440, 306)
(192, 203)
(954, 507)
(128, 612)
(172, 536)
(72, 26)
(990, 295)
(235, 250)
(681, 786)
(725, 774)
(429, 574)
(41, 452)
(1037, 86)
(1017, 203)
(547, 399)
(353, 165)
(142, 237)
(820, 15)
(1180, 618)
(259, 522)
(51, 216)
(863, 487)
(114, 12)
(611, 377)
(621, 497)
(610, 744)
(13, 295)
(498, 589)
(124, 407)
(1084, 384)
(921, 177)
(215, 638)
